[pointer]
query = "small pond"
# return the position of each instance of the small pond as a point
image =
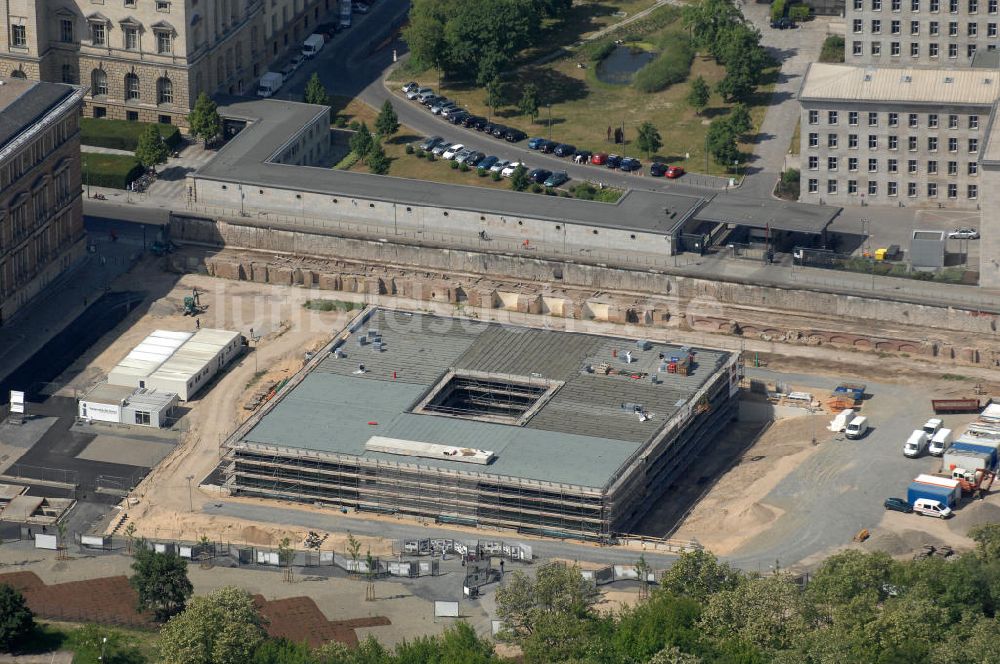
(620, 67)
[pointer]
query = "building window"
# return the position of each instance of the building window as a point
(98, 34)
(952, 191)
(991, 29)
(163, 6)
(858, 25)
(932, 120)
(852, 118)
(912, 120)
(914, 50)
(972, 29)
(831, 186)
(857, 48)
(953, 145)
(141, 417)
(873, 165)
(892, 165)
(952, 121)
(973, 191)
(894, 142)
(894, 119)
(892, 189)
(876, 5)
(911, 166)
(932, 167)
(876, 27)
(68, 74)
(914, 28)
(66, 31)
(911, 189)
(932, 143)
(164, 42)
(894, 49)
(970, 50)
(98, 83)
(831, 140)
(858, 5)
(952, 50)
(973, 6)
(973, 145)
(130, 3)
(933, 29)
(852, 141)
(973, 168)
(896, 5)
(131, 87)
(852, 187)
(911, 143)
(876, 48)
(952, 6)
(952, 168)
(852, 164)
(812, 186)
(100, 112)
(873, 119)
(813, 117)
(831, 163)
(814, 140)
(872, 188)
(914, 6)
(831, 117)
(131, 36)
(872, 142)
(19, 36)
(992, 6)
(164, 91)
(931, 190)
(813, 162)
(895, 27)
(935, 5)
(133, 116)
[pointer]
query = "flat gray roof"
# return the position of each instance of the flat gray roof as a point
(777, 214)
(24, 102)
(580, 436)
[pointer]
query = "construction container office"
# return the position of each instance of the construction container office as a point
(117, 404)
(177, 362)
(554, 433)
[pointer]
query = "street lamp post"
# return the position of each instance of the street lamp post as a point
(549, 106)
(190, 494)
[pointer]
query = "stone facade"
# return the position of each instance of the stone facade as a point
(920, 33)
(148, 60)
(892, 153)
(41, 211)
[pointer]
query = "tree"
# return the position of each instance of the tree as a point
(282, 651)
(316, 92)
(286, 554)
(353, 550)
(764, 611)
(556, 589)
(519, 179)
(16, 619)
(987, 539)
(223, 627)
(699, 575)
(721, 141)
(648, 139)
(362, 142)
(378, 162)
(161, 582)
(493, 91)
(739, 119)
(708, 19)
(151, 150)
(387, 122)
(204, 120)
(529, 101)
(699, 94)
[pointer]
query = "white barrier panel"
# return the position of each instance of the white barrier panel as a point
(185, 551)
(445, 609)
(160, 548)
(267, 558)
(92, 540)
(625, 572)
(16, 401)
(496, 626)
(46, 542)
(588, 575)
(326, 557)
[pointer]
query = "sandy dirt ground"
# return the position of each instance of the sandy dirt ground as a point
(736, 510)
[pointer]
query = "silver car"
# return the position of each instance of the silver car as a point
(440, 148)
(462, 156)
(499, 166)
(442, 106)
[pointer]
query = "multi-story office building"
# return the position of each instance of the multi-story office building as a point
(894, 135)
(148, 60)
(920, 33)
(41, 212)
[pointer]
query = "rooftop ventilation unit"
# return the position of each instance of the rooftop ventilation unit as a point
(949, 79)
(987, 81)
(868, 78)
(907, 79)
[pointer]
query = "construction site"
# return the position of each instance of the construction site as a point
(480, 424)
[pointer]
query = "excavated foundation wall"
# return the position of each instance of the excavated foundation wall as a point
(588, 292)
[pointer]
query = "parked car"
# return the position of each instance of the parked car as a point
(431, 142)
(431, 100)
(514, 135)
(509, 169)
(489, 127)
(582, 156)
(439, 149)
(898, 505)
(657, 170)
(539, 175)
(548, 147)
(599, 158)
(359, 8)
(329, 30)
(488, 162)
(556, 179)
(929, 507)
(298, 60)
(536, 143)
(418, 93)
(783, 23)
(461, 156)
(613, 161)
(964, 234)
(674, 172)
(412, 85)
(287, 71)
(455, 116)
(441, 106)
(470, 121)
(630, 164)
(475, 159)
(499, 165)
(453, 151)
(564, 150)
(499, 130)
(426, 95)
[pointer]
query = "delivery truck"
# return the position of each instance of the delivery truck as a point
(269, 84)
(943, 495)
(312, 45)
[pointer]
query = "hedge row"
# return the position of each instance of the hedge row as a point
(672, 65)
(122, 134)
(115, 171)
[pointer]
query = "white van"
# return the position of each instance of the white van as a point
(312, 45)
(857, 428)
(940, 442)
(932, 425)
(929, 507)
(916, 443)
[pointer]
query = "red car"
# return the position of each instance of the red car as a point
(674, 172)
(599, 158)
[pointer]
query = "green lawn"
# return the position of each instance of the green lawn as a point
(582, 108)
(109, 170)
(122, 134)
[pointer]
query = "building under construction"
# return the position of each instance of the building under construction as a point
(553, 433)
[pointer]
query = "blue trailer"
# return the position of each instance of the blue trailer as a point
(942, 494)
(981, 449)
(854, 390)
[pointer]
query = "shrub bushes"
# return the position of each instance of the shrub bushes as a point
(431, 157)
(122, 134)
(340, 122)
(777, 9)
(453, 165)
(482, 172)
(110, 170)
(420, 154)
(464, 167)
(409, 149)
(833, 49)
(495, 176)
(798, 13)
(672, 65)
